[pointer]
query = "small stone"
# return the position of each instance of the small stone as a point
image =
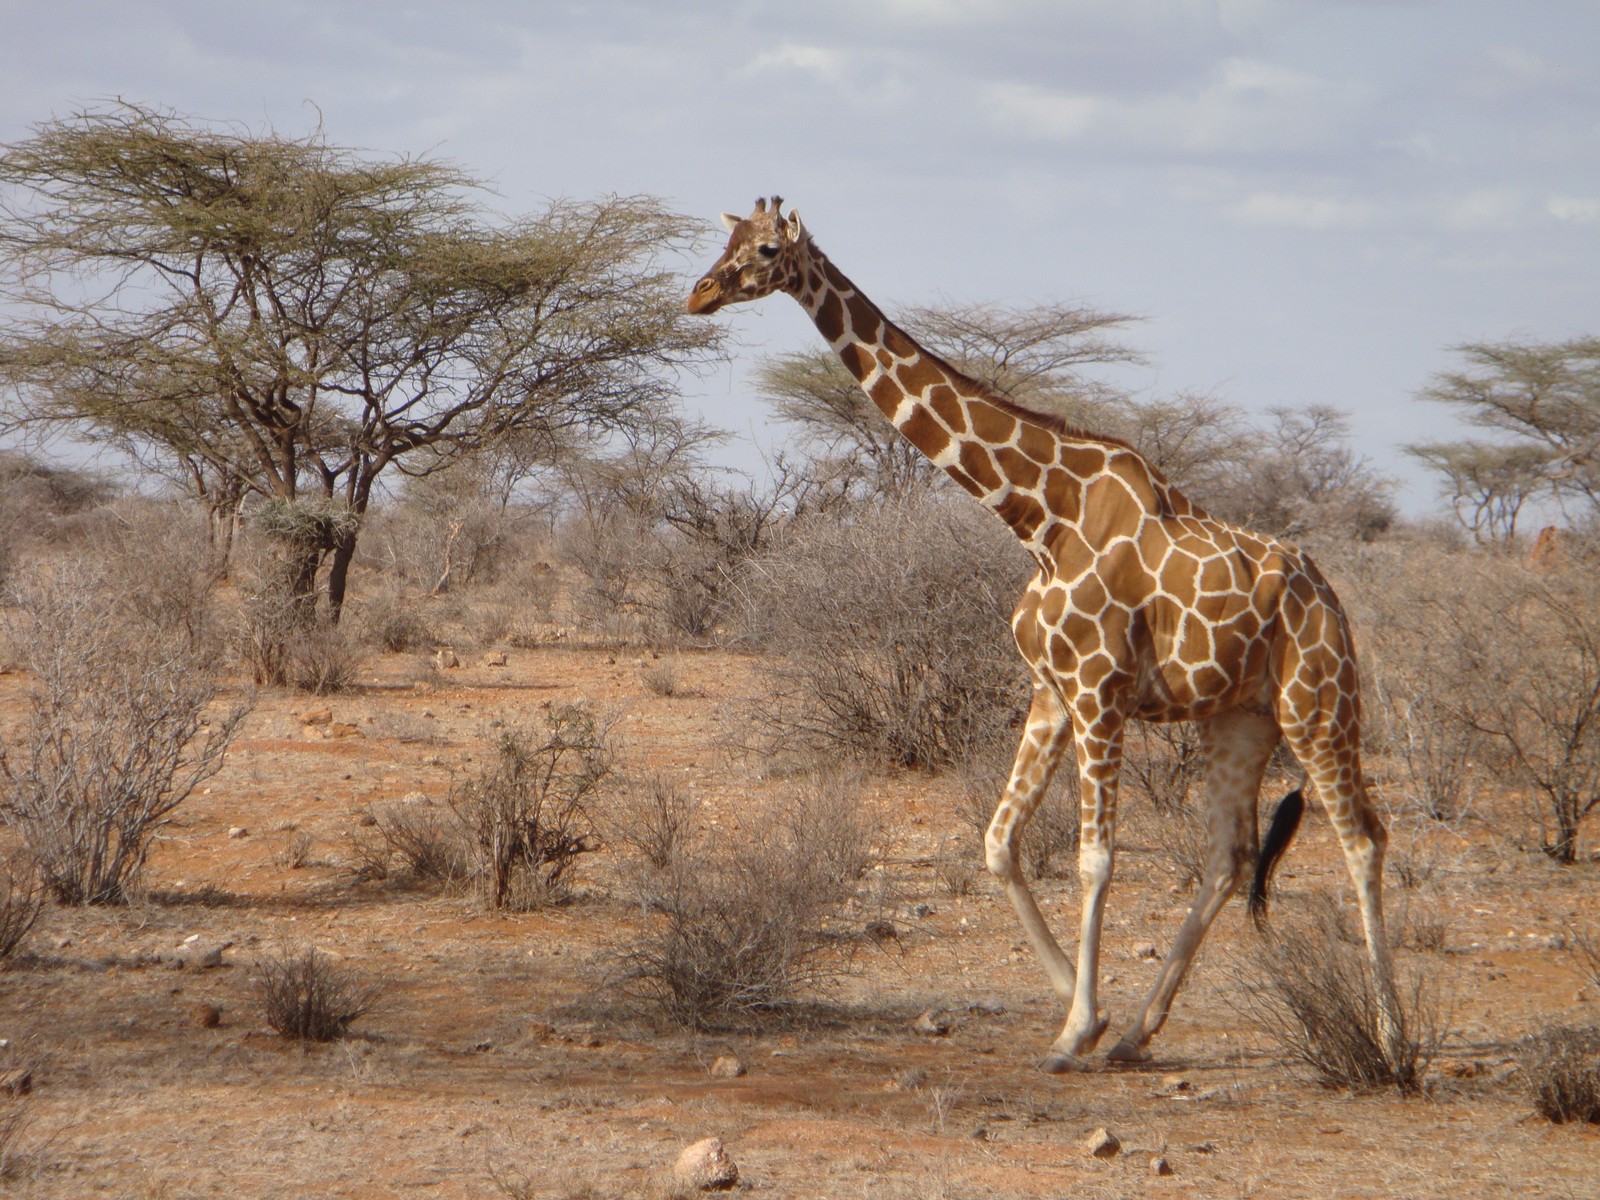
(933, 1023)
(1145, 951)
(1160, 1166)
(207, 1016)
(921, 911)
(238, 831)
(881, 930)
(727, 1066)
(1102, 1143)
(344, 730)
(705, 1166)
(989, 1008)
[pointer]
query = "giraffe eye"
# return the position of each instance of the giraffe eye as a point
(767, 250)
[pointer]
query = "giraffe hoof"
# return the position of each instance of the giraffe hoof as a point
(1126, 1052)
(1058, 1063)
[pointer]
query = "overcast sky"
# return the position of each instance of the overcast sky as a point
(1309, 203)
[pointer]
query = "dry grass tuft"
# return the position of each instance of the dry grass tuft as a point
(1562, 1068)
(309, 997)
(1313, 993)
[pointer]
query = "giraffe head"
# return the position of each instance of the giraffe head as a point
(761, 258)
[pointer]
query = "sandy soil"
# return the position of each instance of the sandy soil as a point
(498, 1064)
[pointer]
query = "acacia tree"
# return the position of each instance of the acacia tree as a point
(1541, 403)
(258, 315)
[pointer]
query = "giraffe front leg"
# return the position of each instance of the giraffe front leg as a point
(1099, 760)
(1047, 731)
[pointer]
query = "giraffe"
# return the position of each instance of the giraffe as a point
(1144, 606)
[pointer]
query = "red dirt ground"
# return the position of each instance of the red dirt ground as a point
(498, 1064)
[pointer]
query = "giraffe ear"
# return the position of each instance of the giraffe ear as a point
(797, 231)
(731, 221)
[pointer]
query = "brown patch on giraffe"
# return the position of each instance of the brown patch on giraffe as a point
(1017, 467)
(857, 360)
(991, 425)
(1179, 576)
(1052, 604)
(1136, 474)
(1106, 508)
(1124, 575)
(1089, 596)
(1063, 495)
(977, 463)
(865, 322)
(1078, 632)
(1083, 461)
(966, 481)
(1215, 576)
(899, 344)
(927, 435)
(830, 317)
(948, 408)
(1194, 646)
(1038, 444)
(918, 376)
(1023, 513)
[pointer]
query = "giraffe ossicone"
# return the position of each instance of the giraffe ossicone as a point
(1144, 607)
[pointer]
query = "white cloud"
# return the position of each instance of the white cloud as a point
(1245, 106)
(1482, 209)
(1298, 211)
(1579, 209)
(813, 60)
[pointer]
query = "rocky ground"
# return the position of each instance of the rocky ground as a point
(499, 1061)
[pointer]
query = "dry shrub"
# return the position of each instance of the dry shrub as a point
(321, 659)
(744, 925)
(392, 624)
(655, 821)
(1182, 840)
(661, 679)
(528, 812)
(21, 901)
(15, 1118)
(888, 636)
(1562, 1069)
(1586, 950)
(1313, 993)
(1161, 764)
(121, 730)
(309, 997)
(430, 842)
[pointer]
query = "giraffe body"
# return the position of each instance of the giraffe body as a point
(1144, 606)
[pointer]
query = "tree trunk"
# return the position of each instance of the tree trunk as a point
(344, 550)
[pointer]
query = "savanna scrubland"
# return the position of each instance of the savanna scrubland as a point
(424, 773)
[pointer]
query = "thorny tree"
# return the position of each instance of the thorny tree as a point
(258, 315)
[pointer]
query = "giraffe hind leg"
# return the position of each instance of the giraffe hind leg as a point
(1237, 747)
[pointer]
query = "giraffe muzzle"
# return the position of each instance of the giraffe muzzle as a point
(706, 297)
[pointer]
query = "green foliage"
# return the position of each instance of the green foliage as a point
(259, 314)
(1540, 402)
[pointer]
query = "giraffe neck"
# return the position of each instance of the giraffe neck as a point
(985, 445)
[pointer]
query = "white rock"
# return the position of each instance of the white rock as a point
(706, 1166)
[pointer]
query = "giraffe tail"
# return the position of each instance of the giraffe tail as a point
(1285, 820)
